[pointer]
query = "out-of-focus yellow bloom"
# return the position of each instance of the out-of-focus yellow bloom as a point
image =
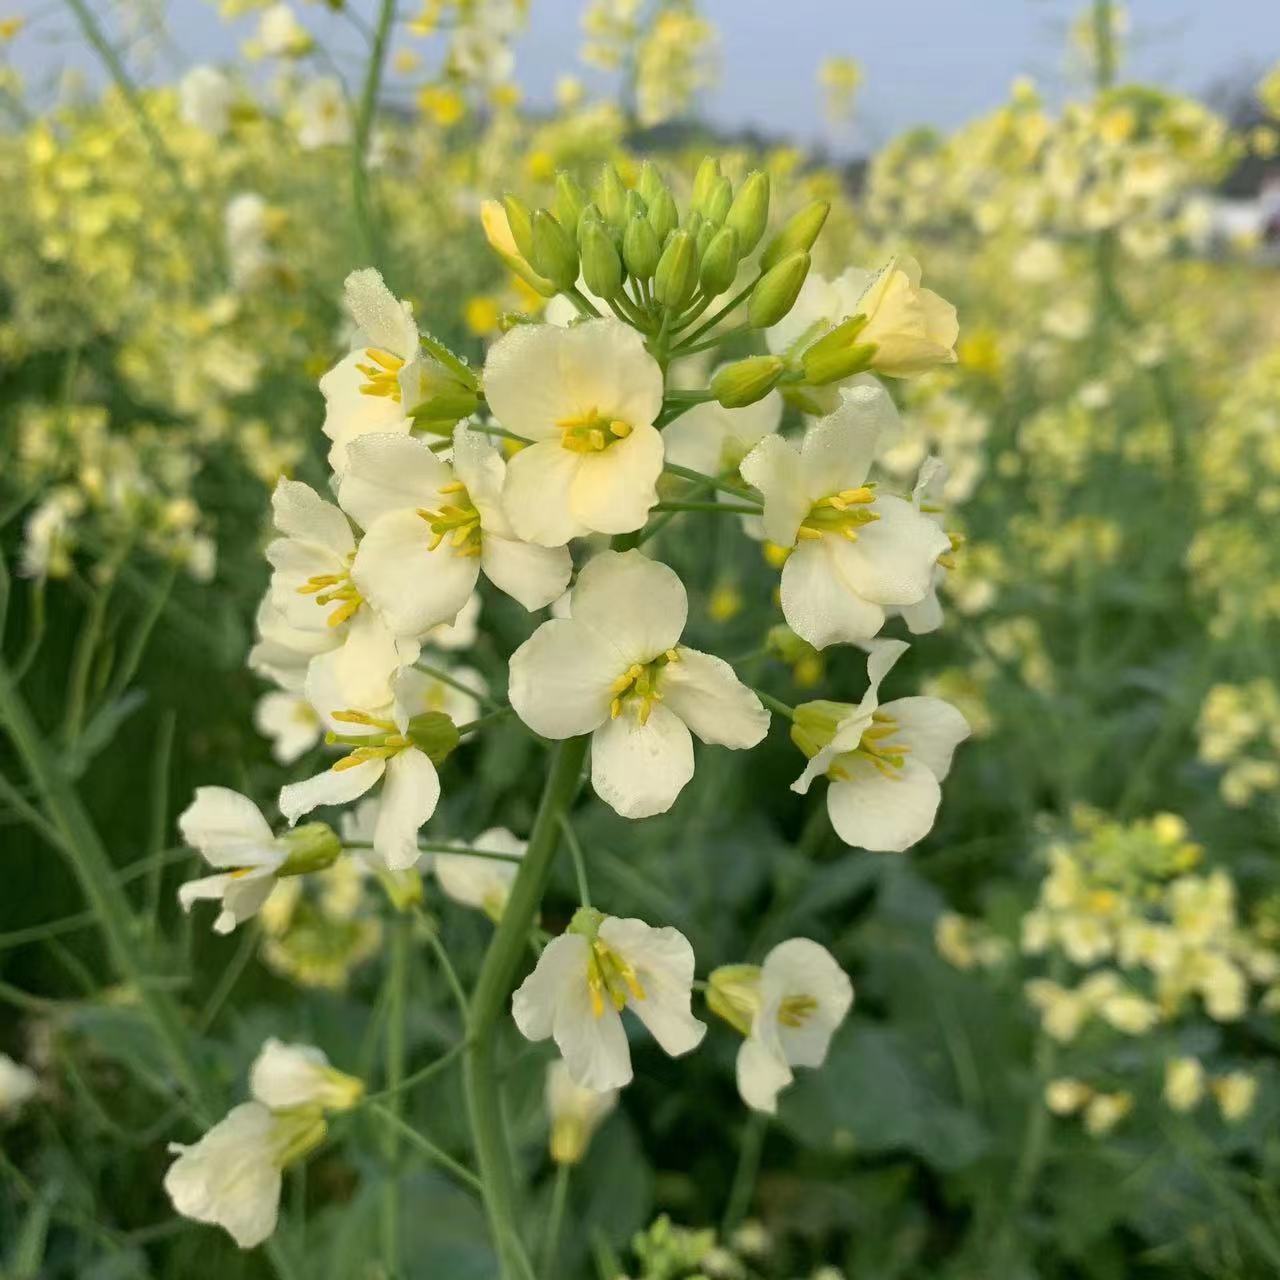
(442, 104)
(481, 315)
(725, 603)
(10, 27)
(1183, 1083)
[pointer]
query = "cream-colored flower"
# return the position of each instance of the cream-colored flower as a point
(1184, 1081)
(1236, 1093)
(291, 723)
(323, 116)
(1066, 1095)
(479, 882)
(431, 528)
(587, 976)
(1105, 1110)
(886, 762)
(575, 1113)
(205, 96)
(587, 397)
(616, 669)
(287, 1076)
(18, 1085)
(856, 550)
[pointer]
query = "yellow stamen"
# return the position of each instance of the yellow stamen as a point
(591, 431)
(328, 588)
(840, 513)
(382, 375)
(458, 521)
(795, 1011)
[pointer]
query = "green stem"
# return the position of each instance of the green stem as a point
(582, 302)
(738, 489)
(417, 1078)
(494, 717)
(579, 862)
(714, 508)
(92, 867)
(744, 1177)
(775, 704)
(685, 343)
(426, 1146)
(369, 232)
(490, 998)
(394, 1051)
(551, 1241)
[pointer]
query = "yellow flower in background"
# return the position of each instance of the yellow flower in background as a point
(840, 78)
(441, 104)
(10, 27)
(481, 315)
(978, 352)
(406, 61)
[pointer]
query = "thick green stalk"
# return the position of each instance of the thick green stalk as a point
(394, 1057)
(366, 220)
(489, 1002)
(93, 868)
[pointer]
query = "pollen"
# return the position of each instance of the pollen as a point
(456, 521)
(842, 513)
(382, 374)
(334, 588)
(636, 689)
(611, 978)
(591, 431)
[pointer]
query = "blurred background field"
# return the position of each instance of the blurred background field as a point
(1062, 1058)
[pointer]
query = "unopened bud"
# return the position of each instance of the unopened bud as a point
(601, 266)
(650, 183)
(719, 263)
(704, 182)
(814, 724)
(838, 354)
(640, 248)
(434, 734)
(311, 847)
(497, 229)
(676, 272)
(746, 381)
(554, 253)
(520, 220)
(635, 206)
(663, 215)
(797, 234)
(702, 238)
(749, 213)
(777, 290)
(719, 202)
(570, 200)
(611, 196)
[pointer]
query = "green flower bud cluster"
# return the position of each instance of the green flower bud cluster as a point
(665, 270)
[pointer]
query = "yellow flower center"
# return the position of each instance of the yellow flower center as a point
(386, 742)
(382, 374)
(636, 689)
(841, 513)
(877, 748)
(795, 1011)
(591, 431)
(609, 975)
(458, 520)
(328, 588)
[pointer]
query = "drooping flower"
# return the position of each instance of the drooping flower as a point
(615, 669)
(387, 744)
(291, 723)
(312, 586)
(229, 831)
(575, 1113)
(430, 529)
(323, 117)
(788, 1009)
(479, 882)
(886, 762)
(856, 550)
(912, 329)
(587, 397)
(18, 1085)
(286, 1076)
(588, 975)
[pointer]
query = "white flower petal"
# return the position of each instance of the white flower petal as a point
(706, 694)
(804, 968)
(367, 661)
(410, 793)
(535, 494)
(287, 1075)
(710, 438)
(243, 896)
(761, 1075)
(818, 603)
(302, 514)
(561, 679)
(639, 605)
(639, 770)
(892, 561)
(563, 962)
(838, 450)
(383, 320)
(228, 829)
(339, 786)
(349, 414)
(387, 473)
(532, 575)
(614, 490)
(884, 814)
(773, 467)
(932, 728)
(411, 586)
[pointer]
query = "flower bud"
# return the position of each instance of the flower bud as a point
(749, 213)
(601, 266)
(719, 202)
(838, 354)
(676, 272)
(797, 234)
(733, 993)
(719, 262)
(570, 200)
(434, 734)
(640, 248)
(702, 238)
(312, 847)
(554, 253)
(611, 196)
(663, 215)
(704, 182)
(776, 292)
(909, 328)
(650, 183)
(635, 206)
(814, 724)
(520, 220)
(746, 381)
(497, 230)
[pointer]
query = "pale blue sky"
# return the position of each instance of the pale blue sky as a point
(926, 61)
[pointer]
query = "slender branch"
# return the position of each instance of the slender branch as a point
(489, 1002)
(744, 1177)
(369, 231)
(438, 673)
(394, 1058)
(559, 1198)
(418, 1077)
(579, 862)
(775, 704)
(737, 488)
(426, 1146)
(738, 298)
(713, 508)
